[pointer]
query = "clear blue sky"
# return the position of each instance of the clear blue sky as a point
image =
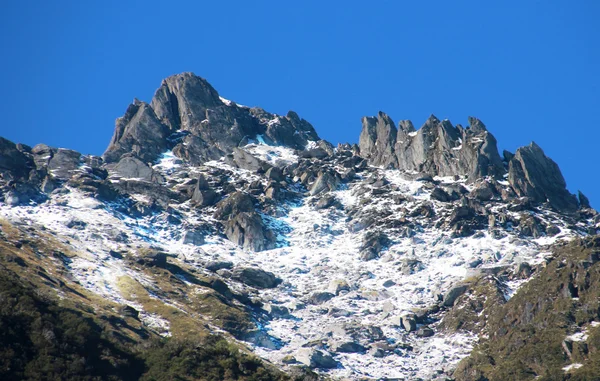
(528, 69)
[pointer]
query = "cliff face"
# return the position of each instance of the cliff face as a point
(204, 217)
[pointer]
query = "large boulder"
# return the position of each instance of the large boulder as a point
(130, 167)
(326, 181)
(248, 231)
(453, 293)
(320, 297)
(349, 346)
(255, 277)
(314, 358)
(64, 163)
(245, 160)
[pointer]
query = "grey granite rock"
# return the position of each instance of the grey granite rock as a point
(534, 175)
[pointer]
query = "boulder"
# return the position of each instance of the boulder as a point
(63, 163)
(255, 277)
(452, 294)
(248, 231)
(424, 332)
(204, 198)
(203, 195)
(373, 243)
(409, 323)
(193, 237)
(129, 311)
(336, 286)
(320, 297)
(325, 182)
(130, 167)
(325, 202)
(347, 347)
(215, 266)
(314, 358)
(245, 160)
(275, 174)
(482, 191)
(440, 195)
(276, 311)
(153, 258)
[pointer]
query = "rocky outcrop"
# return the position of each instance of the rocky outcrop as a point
(377, 140)
(139, 132)
(14, 164)
(203, 195)
(437, 148)
(534, 175)
(188, 116)
(130, 167)
(248, 231)
(243, 225)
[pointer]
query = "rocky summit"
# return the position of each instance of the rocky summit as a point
(239, 245)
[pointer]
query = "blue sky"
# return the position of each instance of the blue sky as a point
(528, 69)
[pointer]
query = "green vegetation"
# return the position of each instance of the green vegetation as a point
(80, 336)
(526, 334)
(41, 340)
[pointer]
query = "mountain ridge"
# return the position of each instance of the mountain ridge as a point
(355, 260)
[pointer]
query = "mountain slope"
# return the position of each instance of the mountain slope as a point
(387, 259)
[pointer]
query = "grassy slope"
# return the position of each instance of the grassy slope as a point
(80, 336)
(526, 334)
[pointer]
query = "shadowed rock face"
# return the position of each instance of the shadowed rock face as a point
(139, 132)
(533, 174)
(212, 126)
(14, 164)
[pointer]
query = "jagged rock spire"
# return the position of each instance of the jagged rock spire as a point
(437, 148)
(188, 115)
(440, 149)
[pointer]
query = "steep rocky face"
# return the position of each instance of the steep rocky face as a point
(377, 140)
(532, 174)
(188, 116)
(14, 164)
(140, 132)
(437, 148)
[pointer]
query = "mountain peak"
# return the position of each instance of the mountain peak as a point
(207, 127)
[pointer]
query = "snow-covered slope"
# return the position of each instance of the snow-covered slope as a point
(329, 295)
